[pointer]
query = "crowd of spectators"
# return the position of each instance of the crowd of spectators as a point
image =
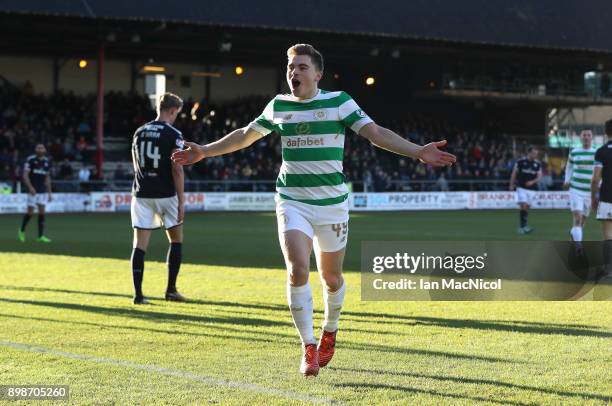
(485, 157)
(64, 122)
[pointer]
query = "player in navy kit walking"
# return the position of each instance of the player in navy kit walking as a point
(527, 173)
(37, 180)
(158, 193)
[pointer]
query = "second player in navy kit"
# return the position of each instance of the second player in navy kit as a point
(151, 145)
(37, 180)
(158, 193)
(601, 196)
(526, 174)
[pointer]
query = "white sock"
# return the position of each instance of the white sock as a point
(300, 305)
(576, 233)
(333, 306)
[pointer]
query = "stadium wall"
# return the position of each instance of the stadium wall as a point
(118, 78)
(237, 201)
(38, 71)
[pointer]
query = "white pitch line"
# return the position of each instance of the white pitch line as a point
(251, 387)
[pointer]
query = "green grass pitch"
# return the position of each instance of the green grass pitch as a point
(66, 318)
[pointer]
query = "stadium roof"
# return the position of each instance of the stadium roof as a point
(560, 24)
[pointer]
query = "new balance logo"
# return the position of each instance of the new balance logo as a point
(320, 115)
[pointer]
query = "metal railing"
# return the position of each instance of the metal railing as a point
(518, 86)
(75, 186)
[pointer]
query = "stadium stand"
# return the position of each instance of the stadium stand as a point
(64, 122)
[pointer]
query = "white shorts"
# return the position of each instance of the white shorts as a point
(604, 211)
(40, 198)
(150, 214)
(580, 202)
(524, 195)
(327, 226)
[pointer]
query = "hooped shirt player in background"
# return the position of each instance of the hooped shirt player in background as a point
(158, 193)
(601, 196)
(37, 180)
(578, 177)
(312, 206)
(526, 173)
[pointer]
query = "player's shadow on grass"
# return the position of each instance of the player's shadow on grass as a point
(361, 387)
(172, 331)
(129, 297)
(126, 296)
(511, 326)
(253, 325)
(151, 315)
(55, 290)
(498, 325)
(378, 318)
(143, 313)
(248, 306)
(371, 347)
(464, 380)
(278, 337)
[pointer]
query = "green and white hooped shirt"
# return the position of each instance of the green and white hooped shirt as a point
(579, 170)
(312, 137)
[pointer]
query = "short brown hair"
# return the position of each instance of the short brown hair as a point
(307, 49)
(168, 101)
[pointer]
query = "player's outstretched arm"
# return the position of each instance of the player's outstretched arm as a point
(387, 139)
(234, 141)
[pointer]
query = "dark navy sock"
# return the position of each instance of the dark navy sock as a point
(138, 270)
(41, 225)
(25, 221)
(523, 218)
(175, 255)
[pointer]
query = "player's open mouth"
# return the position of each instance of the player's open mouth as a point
(295, 83)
